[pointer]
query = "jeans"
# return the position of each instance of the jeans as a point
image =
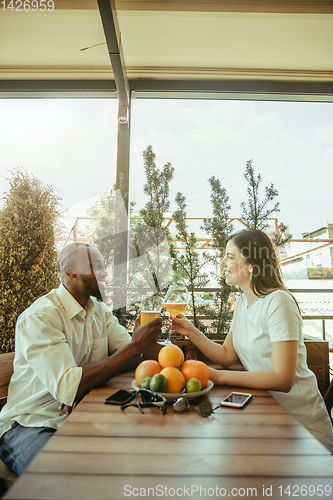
(20, 445)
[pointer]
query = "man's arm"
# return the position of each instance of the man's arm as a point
(144, 341)
(149, 354)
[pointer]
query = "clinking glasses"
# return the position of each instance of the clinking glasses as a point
(147, 399)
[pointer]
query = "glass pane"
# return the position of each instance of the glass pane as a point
(290, 144)
(70, 143)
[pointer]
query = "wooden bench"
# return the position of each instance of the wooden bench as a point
(6, 370)
(318, 361)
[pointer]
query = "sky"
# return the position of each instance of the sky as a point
(71, 144)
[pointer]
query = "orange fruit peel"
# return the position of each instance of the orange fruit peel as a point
(175, 379)
(195, 369)
(171, 355)
(147, 368)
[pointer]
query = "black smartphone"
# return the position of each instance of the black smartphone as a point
(236, 399)
(120, 397)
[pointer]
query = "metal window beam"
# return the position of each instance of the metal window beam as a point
(313, 91)
(37, 89)
(112, 33)
(266, 90)
(108, 12)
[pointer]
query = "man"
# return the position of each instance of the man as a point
(66, 344)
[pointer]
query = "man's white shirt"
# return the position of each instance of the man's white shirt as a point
(54, 338)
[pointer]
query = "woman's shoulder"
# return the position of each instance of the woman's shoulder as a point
(281, 297)
(282, 293)
(278, 292)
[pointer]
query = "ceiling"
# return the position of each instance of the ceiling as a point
(166, 46)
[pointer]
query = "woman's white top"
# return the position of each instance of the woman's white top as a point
(276, 318)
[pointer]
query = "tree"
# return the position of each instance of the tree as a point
(281, 237)
(157, 188)
(255, 212)
(108, 226)
(219, 229)
(190, 265)
(107, 215)
(149, 264)
(218, 226)
(28, 257)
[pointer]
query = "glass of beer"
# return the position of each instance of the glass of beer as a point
(150, 308)
(175, 302)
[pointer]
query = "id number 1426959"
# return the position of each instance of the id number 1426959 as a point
(26, 5)
(305, 491)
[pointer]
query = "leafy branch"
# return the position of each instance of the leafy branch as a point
(256, 212)
(189, 263)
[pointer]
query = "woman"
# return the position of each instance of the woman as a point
(265, 334)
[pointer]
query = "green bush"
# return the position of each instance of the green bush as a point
(28, 257)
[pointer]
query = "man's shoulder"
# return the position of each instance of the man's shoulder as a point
(43, 305)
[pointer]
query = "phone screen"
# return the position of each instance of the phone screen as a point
(238, 399)
(120, 397)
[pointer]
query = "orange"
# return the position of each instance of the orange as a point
(175, 379)
(195, 369)
(146, 368)
(170, 355)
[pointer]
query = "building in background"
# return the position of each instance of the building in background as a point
(319, 260)
(311, 257)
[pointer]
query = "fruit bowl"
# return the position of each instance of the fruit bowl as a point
(172, 395)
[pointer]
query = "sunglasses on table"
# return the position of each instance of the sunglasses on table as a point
(147, 399)
(203, 409)
(144, 398)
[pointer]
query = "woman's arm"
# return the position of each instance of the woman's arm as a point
(280, 378)
(224, 355)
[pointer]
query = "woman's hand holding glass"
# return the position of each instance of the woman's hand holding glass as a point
(175, 302)
(183, 326)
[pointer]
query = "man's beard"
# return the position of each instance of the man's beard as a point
(94, 292)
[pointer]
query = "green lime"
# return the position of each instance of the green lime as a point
(158, 383)
(193, 385)
(145, 384)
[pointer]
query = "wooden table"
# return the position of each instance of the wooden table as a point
(104, 453)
